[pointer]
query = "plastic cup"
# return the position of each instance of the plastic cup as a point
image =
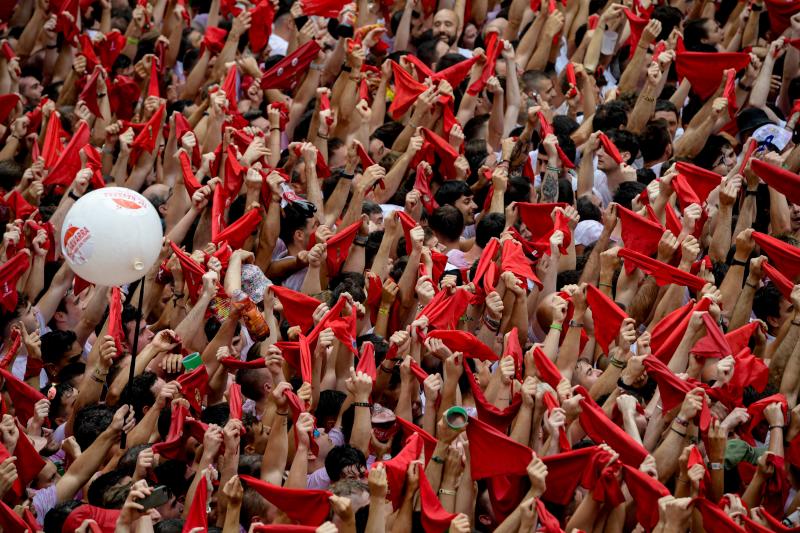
(456, 417)
(192, 361)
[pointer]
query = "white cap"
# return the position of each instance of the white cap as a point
(587, 232)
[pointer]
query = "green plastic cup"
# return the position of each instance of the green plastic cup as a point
(192, 361)
(456, 417)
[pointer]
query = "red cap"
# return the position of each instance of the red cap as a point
(239, 231)
(309, 507)
(366, 363)
(498, 418)
(287, 72)
(782, 180)
(338, 247)
(194, 386)
(10, 272)
(494, 45)
(263, 15)
(639, 233)
(785, 256)
(115, 318)
(397, 468)
(198, 513)
(664, 274)
(464, 342)
(607, 316)
(704, 69)
(69, 162)
(406, 91)
(693, 184)
(298, 308)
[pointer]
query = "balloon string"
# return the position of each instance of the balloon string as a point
(132, 370)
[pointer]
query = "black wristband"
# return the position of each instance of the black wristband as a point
(300, 21)
(345, 31)
(73, 196)
(748, 192)
(347, 68)
(736, 262)
(360, 240)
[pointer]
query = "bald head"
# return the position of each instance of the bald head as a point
(445, 26)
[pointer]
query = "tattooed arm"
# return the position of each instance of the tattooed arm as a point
(549, 188)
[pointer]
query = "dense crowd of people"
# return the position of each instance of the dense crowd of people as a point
(466, 265)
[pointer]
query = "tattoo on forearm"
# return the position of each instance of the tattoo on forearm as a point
(549, 189)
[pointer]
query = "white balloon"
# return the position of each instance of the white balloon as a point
(111, 236)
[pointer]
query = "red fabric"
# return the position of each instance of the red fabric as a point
(513, 260)
(309, 507)
(714, 344)
(444, 310)
(567, 469)
(486, 445)
(106, 519)
(192, 271)
(435, 519)
(715, 520)
(298, 308)
(115, 328)
(547, 369)
(465, 342)
(287, 72)
(198, 515)
(172, 445)
(756, 412)
(152, 83)
(498, 418)
(601, 429)
(305, 359)
(89, 94)
(189, 179)
(785, 256)
(668, 333)
(607, 316)
(297, 407)
(494, 45)
(14, 343)
(214, 40)
(693, 184)
(775, 491)
(11, 521)
(51, 146)
(10, 272)
(145, 141)
(447, 154)
(366, 363)
(548, 522)
(283, 528)
(182, 127)
(109, 49)
(610, 148)
(780, 281)
(323, 8)
(739, 338)
(664, 274)
(238, 232)
(397, 468)
(263, 16)
(780, 179)
(537, 218)
(232, 363)
(673, 389)
(193, 386)
(572, 80)
(729, 92)
(406, 91)
(780, 12)
(639, 233)
(123, 95)
(646, 492)
(422, 183)
(69, 162)
(7, 104)
(338, 248)
(696, 458)
(550, 403)
(428, 441)
(704, 69)
(637, 25)
(234, 174)
(235, 401)
(545, 129)
(488, 256)
(514, 349)
(407, 223)
(19, 205)
(418, 372)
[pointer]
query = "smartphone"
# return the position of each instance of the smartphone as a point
(157, 498)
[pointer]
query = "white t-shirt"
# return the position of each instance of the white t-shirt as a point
(278, 45)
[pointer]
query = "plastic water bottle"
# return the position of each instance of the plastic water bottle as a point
(252, 318)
